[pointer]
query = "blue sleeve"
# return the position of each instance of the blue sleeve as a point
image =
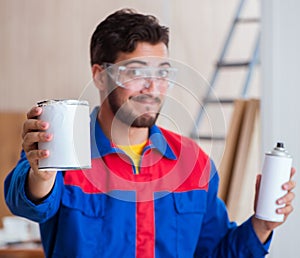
(17, 200)
(221, 238)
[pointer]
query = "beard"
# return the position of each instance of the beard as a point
(128, 115)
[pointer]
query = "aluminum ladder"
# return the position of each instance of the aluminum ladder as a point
(223, 64)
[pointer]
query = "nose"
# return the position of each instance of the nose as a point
(151, 85)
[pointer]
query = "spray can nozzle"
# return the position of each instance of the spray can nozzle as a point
(280, 145)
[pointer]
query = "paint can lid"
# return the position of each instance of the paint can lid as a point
(62, 101)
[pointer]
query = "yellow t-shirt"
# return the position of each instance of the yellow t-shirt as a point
(134, 152)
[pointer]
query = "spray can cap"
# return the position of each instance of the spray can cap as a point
(280, 150)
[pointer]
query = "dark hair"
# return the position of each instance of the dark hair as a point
(121, 31)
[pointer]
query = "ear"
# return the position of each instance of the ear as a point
(99, 77)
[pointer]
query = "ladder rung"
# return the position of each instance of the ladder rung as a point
(216, 101)
(247, 20)
(211, 137)
(232, 64)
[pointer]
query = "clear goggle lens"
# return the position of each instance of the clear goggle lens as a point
(126, 77)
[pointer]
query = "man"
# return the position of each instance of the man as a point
(150, 192)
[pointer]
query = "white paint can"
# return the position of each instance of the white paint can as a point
(69, 123)
(276, 171)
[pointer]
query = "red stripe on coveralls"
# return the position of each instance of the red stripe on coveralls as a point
(145, 229)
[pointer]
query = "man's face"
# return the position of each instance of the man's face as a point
(138, 103)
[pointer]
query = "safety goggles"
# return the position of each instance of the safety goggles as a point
(135, 75)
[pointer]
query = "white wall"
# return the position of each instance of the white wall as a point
(280, 101)
(44, 45)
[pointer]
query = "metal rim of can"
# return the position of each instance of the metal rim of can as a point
(284, 155)
(62, 101)
(279, 153)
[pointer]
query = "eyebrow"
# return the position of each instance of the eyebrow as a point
(165, 63)
(144, 63)
(135, 62)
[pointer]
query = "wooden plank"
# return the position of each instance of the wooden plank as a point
(10, 147)
(21, 252)
(231, 144)
(243, 181)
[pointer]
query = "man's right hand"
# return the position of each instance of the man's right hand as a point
(39, 183)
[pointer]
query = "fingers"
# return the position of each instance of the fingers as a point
(31, 138)
(31, 149)
(33, 128)
(287, 199)
(33, 133)
(34, 155)
(286, 210)
(289, 186)
(293, 172)
(257, 185)
(34, 112)
(34, 125)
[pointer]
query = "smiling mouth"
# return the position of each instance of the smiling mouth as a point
(145, 99)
